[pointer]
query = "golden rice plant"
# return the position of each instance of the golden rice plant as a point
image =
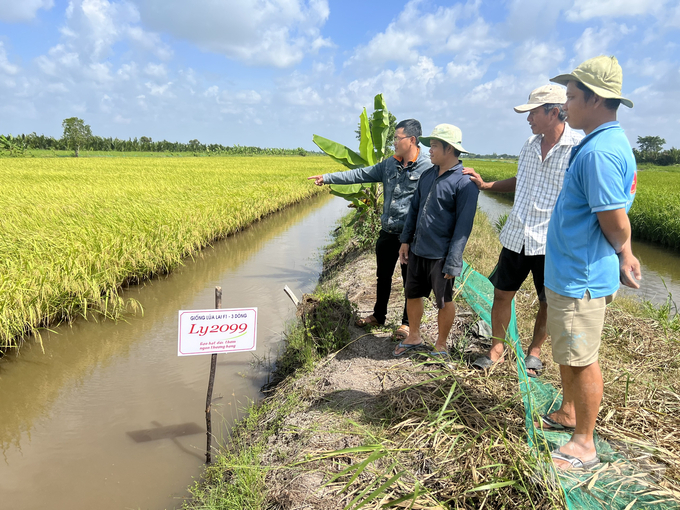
(74, 231)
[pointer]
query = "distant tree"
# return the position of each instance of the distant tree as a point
(650, 143)
(195, 145)
(76, 133)
(390, 133)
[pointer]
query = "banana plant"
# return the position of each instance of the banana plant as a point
(12, 144)
(372, 141)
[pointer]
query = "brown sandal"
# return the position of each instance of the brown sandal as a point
(401, 333)
(366, 321)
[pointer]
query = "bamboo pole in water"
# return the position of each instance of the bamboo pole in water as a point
(211, 381)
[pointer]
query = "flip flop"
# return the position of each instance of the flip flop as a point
(483, 363)
(574, 462)
(406, 347)
(553, 425)
(533, 363)
(401, 333)
(367, 321)
(439, 356)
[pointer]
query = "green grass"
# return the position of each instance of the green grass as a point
(74, 231)
(493, 170)
(655, 213)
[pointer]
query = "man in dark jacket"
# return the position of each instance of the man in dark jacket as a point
(399, 175)
(435, 233)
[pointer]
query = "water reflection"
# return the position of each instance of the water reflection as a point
(66, 413)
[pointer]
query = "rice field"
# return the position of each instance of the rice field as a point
(74, 231)
(655, 213)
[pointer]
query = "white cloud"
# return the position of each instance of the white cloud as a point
(538, 57)
(456, 30)
(59, 61)
(499, 92)
(673, 17)
(529, 19)
(160, 90)
(94, 26)
(584, 10)
(156, 70)
(594, 42)
(57, 88)
(456, 64)
(212, 91)
(22, 10)
(249, 97)
(98, 72)
(649, 68)
(148, 41)
(5, 66)
(257, 32)
(127, 72)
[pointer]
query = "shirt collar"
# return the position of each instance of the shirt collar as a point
(455, 167)
(606, 125)
(567, 135)
(565, 139)
(600, 128)
(401, 160)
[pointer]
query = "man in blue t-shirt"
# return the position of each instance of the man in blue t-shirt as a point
(588, 250)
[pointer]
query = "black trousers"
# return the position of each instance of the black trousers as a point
(387, 254)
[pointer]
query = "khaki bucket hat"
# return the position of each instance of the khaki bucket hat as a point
(602, 75)
(447, 133)
(547, 94)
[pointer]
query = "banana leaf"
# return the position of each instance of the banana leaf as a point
(365, 142)
(343, 190)
(381, 126)
(340, 153)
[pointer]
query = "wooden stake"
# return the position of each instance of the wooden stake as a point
(211, 381)
(291, 295)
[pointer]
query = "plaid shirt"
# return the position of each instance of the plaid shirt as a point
(538, 185)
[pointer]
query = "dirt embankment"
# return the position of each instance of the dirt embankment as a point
(362, 428)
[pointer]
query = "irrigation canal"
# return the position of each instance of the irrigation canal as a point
(74, 421)
(103, 418)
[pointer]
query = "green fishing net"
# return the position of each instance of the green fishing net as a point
(627, 477)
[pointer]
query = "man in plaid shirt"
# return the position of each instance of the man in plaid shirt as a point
(540, 172)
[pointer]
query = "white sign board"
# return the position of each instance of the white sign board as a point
(217, 331)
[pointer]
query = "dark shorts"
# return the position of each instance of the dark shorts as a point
(513, 268)
(424, 276)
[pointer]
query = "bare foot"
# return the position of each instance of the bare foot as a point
(496, 355)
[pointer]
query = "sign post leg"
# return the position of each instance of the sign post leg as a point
(211, 381)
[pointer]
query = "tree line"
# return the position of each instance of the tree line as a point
(78, 137)
(650, 151)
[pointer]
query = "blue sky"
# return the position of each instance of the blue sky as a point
(274, 72)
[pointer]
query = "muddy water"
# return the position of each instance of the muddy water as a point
(660, 266)
(66, 415)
